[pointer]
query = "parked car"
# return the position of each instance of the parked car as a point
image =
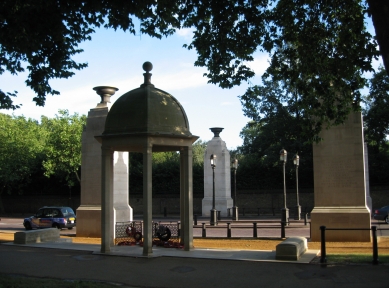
(382, 214)
(51, 216)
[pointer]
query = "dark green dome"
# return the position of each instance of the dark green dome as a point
(147, 110)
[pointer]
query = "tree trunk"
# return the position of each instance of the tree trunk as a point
(78, 177)
(379, 10)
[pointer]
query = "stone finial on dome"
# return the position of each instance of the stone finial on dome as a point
(147, 66)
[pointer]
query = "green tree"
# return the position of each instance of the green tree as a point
(21, 152)
(198, 151)
(309, 65)
(166, 170)
(379, 10)
(63, 146)
(376, 113)
(259, 155)
(199, 148)
(42, 36)
(226, 33)
(278, 123)
(376, 121)
(326, 41)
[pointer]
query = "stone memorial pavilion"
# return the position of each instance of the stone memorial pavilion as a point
(146, 120)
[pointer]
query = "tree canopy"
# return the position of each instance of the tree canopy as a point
(63, 146)
(379, 11)
(376, 113)
(376, 122)
(317, 61)
(277, 126)
(21, 149)
(42, 36)
(321, 48)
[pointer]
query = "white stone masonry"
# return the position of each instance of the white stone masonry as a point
(223, 199)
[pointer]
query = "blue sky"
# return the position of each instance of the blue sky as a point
(116, 59)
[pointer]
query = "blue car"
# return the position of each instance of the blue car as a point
(382, 214)
(51, 217)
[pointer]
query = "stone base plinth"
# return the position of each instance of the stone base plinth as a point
(341, 217)
(123, 213)
(88, 221)
(220, 205)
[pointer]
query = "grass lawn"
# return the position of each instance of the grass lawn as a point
(356, 258)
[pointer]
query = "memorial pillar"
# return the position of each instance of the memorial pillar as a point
(89, 212)
(123, 211)
(223, 199)
(339, 183)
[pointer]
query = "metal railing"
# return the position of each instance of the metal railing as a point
(255, 227)
(323, 256)
(127, 233)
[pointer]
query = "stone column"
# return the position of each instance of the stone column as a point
(147, 201)
(186, 197)
(107, 226)
(223, 199)
(340, 191)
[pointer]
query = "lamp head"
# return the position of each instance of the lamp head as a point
(283, 155)
(296, 160)
(213, 160)
(235, 164)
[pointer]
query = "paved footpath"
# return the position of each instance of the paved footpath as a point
(223, 268)
(183, 272)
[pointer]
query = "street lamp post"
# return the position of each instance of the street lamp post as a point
(235, 214)
(284, 210)
(296, 162)
(213, 221)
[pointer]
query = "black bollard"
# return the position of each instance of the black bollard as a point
(282, 229)
(375, 246)
(204, 231)
(306, 219)
(228, 230)
(255, 231)
(323, 257)
(218, 215)
(195, 219)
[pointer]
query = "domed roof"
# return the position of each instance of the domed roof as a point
(147, 110)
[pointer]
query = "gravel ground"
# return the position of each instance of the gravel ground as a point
(255, 244)
(270, 244)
